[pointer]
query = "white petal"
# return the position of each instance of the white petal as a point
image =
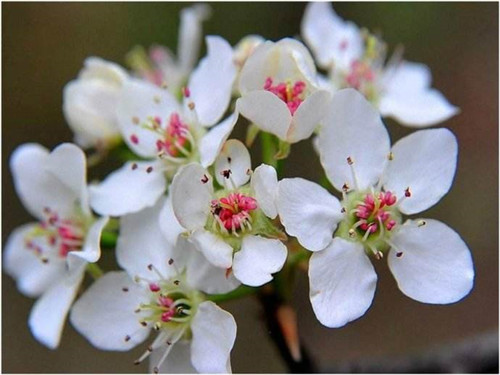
(49, 312)
(211, 143)
(105, 315)
(204, 276)
(89, 107)
(169, 225)
(265, 185)
(407, 77)
(417, 109)
(91, 251)
(342, 283)
(212, 81)
(141, 243)
(32, 275)
(258, 259)
(128, 190)
(138, 101)
(308, 212)
(267, 111)
(191, 193)
(308, 116)
(435, 266)
(97, 68)
(424, 161)
(213, 247)
(178, 360)
(353, 128)
(234, 156)
(39, 184)
(190, 33)
(214, 332)
(331, 38)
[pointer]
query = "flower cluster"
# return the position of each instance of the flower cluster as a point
(192, 222)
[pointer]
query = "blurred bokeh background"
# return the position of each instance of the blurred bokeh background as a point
(44, 45)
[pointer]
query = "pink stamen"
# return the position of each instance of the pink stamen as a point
(292, 95)
(372, 211)
(175, 136)
(234, 209)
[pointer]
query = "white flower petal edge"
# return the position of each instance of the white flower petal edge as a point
(33, 169)
(267, 111)
(129, 189)
(169, 225)
(89, 103)
(141, 242)
(258, 259)
(214, 333)
(353, 128)
(264, 183)
(342, 283)
(211, 82)
(435, 266)
(191, 192)
(212, 142)
(424, 161)
(213, 247)
(91, 250)
(104, 314)
(48, 314)
(202, 274)
(308, 212)
(33, 277)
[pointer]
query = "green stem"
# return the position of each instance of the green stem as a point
(108, 239)
(268, 149)
(242, 291)
(94, 270)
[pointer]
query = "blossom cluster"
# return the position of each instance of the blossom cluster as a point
(192, 221)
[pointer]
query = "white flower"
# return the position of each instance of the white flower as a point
(156, 127)
(161, 290)
(379, 184)
(400, 89)
(161, 67)
(48, 258)
(234, 219)
(279, 90)
(89, 103)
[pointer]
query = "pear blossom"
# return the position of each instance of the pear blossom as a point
(279, 90)
(400, 89)
(379, 184)
(89, 103)
(48, 258)
(162, 289)
(167, 133)
(231, 226)
(160, 66)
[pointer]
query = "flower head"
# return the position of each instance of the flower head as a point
(356, 59)
(230, 225)
(89, 103)
(379, 185)
(170, 134)
(162, 290)
(48, 258)
(279, 90)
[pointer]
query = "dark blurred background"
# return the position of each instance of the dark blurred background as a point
(44, 45)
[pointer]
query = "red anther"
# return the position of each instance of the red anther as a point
(134, 166)
(149, 169)
(407, 192)
(134, 139)
(399, 254)
(154, 287)
(186, 92)
(204, 179)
